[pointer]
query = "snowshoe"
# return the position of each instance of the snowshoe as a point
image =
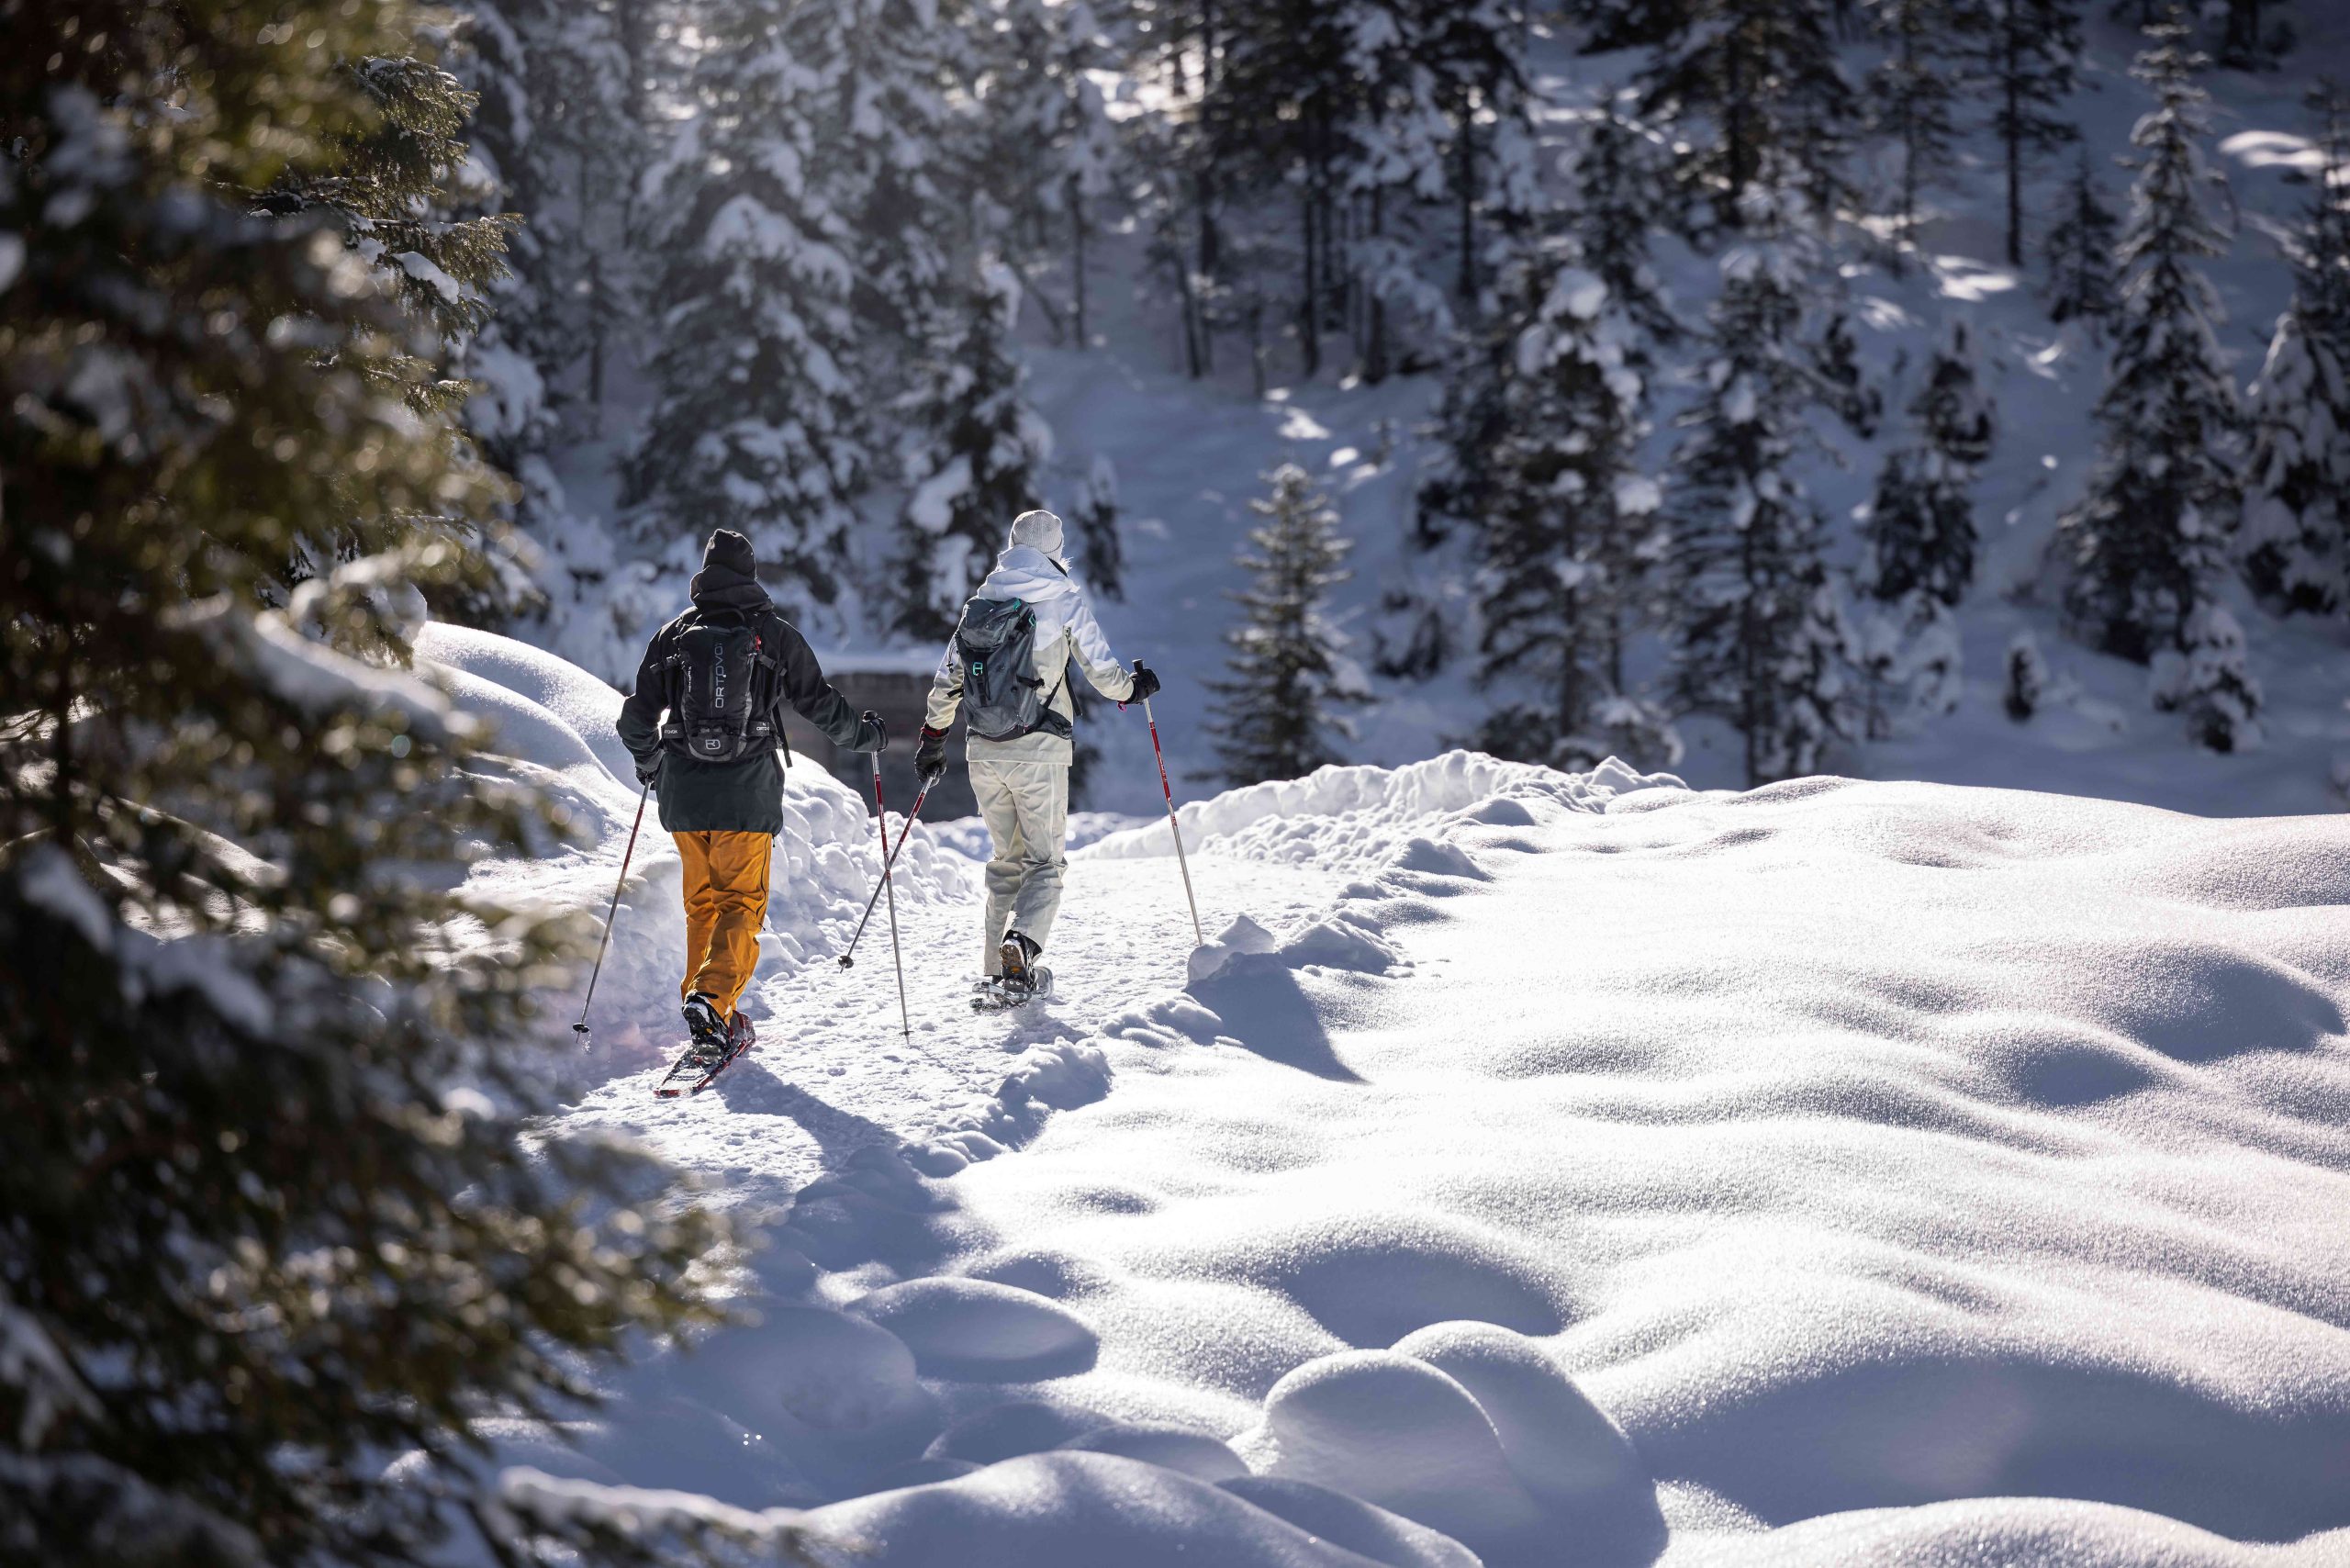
(704, 1059)
(998, 992)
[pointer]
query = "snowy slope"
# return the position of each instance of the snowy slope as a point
(1547, 1169)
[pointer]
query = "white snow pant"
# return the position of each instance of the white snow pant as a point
(1025, 806)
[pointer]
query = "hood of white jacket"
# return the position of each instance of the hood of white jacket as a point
(1026, 575)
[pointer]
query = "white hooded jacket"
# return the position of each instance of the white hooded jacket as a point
(1029, 571)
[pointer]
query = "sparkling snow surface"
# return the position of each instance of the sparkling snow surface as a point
(1549, 1170)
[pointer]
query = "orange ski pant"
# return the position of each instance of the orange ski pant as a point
(726, 903)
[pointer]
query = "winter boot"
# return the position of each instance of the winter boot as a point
(710, 1031)
(1017, 960)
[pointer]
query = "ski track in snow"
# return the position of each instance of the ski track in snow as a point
(1543, 1170)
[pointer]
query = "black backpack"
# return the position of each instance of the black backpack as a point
(1003, 697)
(722, 679)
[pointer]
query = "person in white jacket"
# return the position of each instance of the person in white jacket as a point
(1022, 781)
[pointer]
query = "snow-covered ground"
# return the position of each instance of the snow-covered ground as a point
(1539, 1167)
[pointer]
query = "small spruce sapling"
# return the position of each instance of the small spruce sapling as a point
(1280, 711)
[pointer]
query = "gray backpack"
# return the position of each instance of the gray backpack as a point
(1003, 697)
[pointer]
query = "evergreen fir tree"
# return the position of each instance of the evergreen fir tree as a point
(554, 137)
(1048, 151)
(1757, 637)
(1622, 177)
(1920, 542)
(2145, 552)
(1921, 536)
(973, 454)
(393, 199)
(2083, 282)
(1755, 92)
(256, 1239)
(2030, 50)
(2297, 478)
(1095, 518)
(883, 77)
(758, 422)
(1566, 543)
(1280, 711)
(1844, 384)
(1915, 93)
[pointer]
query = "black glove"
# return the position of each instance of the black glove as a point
(1146, 684)
(875, 736)
(648, 770)
(930, 757)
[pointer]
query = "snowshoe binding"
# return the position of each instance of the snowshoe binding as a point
(1022, 979)
(715, 1044)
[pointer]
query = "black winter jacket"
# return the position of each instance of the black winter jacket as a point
(746, 795)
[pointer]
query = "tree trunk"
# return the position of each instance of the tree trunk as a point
(1468, 182)
(1309, 309)
(1375, 351)
(2013, 87)
(1077, 261)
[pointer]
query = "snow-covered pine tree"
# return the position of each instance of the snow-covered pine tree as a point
(2084, 283)
(394, 200)
(2296, 536)
(759, 416)
(1048, 151)
(1474, 50)
(1394, 159)
(2297, 478)
(973, 453)
(258, 1239)
(1749, 86)
(1095, 518)
(1844, 382)
(1914, 96)
(1757, 637)
(556, 139)
(1622, 175)
(2147, 551)
(1280, 711)
(1924, 542)
(2030, 50)
(1570, 528)
(884, 80)
(1920, 540)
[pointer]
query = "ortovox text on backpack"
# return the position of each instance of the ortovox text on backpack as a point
(721, 689)
(1003, 698)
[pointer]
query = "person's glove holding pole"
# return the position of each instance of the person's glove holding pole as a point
(930, 756)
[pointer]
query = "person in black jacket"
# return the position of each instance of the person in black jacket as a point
(724, 814)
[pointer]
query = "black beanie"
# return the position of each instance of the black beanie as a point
(730, 550)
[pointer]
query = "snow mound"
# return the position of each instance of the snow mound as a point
(1353, 1525)
(982, 1330)
(1076, 1508)
(1347, 816)
(2007, 1532)
(1394, 1431)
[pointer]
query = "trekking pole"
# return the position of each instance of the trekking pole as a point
(586, 1040)
(1174, 826)
(848, 959)
(881, 815)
